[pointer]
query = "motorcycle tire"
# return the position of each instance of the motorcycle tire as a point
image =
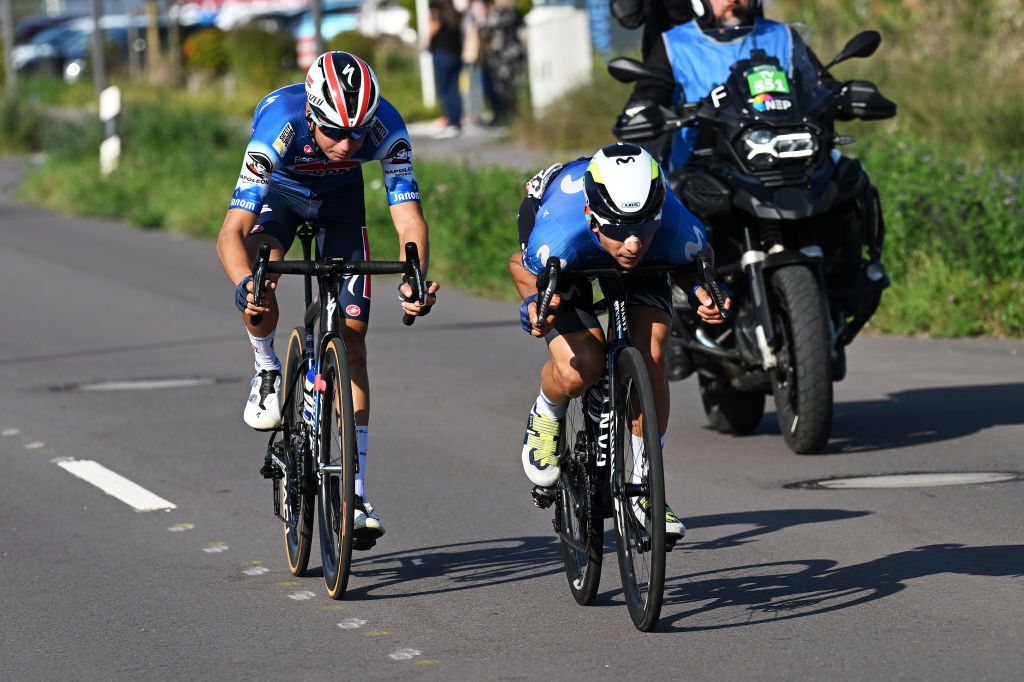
(802, 379)
(728, 410)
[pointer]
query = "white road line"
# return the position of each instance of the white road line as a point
(9, 432)
(146, 384)
(35, 445)
(404, 654)
(115, 485)
(302, 595)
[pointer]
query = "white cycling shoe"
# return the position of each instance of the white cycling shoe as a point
(366, 522)
(263, 407)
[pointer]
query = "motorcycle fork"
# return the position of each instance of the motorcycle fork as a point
(751, 262)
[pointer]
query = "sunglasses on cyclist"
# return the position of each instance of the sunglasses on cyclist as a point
(620, 232)
(339, 134)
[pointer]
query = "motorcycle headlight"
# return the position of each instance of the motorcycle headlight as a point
(762, 148)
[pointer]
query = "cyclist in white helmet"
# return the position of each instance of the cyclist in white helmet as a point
(304, 162)
(610, 209)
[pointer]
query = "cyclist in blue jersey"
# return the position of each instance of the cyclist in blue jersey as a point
(303, 163)
(610, 209)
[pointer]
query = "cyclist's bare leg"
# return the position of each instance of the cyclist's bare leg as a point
(354, 334)
(649, 328)
(577, 360)
(269, 321)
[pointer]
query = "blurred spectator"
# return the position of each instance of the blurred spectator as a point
(656, 16)
(506, 58)
(473, 59)
(446, 50)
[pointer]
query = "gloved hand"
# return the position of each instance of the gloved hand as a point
(242, 293)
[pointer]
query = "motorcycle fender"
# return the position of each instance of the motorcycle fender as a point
(788, 203)
(788, 257)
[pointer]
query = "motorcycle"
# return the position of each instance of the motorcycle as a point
(797, 231)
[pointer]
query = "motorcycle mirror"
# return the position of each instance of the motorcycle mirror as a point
(861, 45)
(626, 70)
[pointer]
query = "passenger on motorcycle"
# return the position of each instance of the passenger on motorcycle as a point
(700, 53)
(304, 162)
(610, 209)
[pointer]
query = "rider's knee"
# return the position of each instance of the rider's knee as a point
(579, 373)
(355, 346)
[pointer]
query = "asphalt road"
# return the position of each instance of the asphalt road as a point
(771, 583)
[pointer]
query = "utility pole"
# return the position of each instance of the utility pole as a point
(10, 75)
(318, 36)
(99, 71)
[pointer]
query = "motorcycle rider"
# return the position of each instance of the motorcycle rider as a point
(699, 54)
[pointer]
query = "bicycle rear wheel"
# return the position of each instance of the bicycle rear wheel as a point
(578, 521)
(298, 497)
(337, 457)
(638, 491)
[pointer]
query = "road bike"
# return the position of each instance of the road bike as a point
(313, 455)
(610, 455)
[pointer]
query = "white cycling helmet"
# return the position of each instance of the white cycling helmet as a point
(624, 185)
(342, 91)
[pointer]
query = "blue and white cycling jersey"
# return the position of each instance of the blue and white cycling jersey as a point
(561, 229)
(281, 151)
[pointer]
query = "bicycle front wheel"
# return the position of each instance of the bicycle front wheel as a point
(578, 521)
(337, 458)
(298, 496)
(638, 491)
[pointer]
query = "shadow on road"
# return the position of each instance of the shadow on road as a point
(924, 415)
(762, 522)
(464, 566)
(486, 563)
(916, 417)
(755, 594)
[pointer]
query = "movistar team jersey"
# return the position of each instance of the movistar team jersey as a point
(281, 151)
(561, 229)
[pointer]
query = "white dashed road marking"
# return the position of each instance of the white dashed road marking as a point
(256, 570)
(404, 654)
(115, 485)
(215, 548)
(181, 527)
(35, 445)
(9, 432)
(302, 595)
(351, 623)
(146, 384)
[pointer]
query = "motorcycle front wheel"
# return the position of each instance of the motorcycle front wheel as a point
(802, 379)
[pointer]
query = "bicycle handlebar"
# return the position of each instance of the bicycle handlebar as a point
(338, 267)
(547, 281)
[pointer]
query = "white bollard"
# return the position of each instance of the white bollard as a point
(559, 53)
(110, 148)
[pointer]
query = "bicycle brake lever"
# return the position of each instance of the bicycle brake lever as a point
(706, 270)
(414, 279)
(259, 271)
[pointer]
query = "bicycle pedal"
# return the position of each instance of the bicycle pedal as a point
(363, 544)
(543, 497)
(271, 471)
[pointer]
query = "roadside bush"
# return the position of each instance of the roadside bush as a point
(260, 58)
(206, 51)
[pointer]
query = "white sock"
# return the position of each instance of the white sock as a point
(263, 348)
(362, 434)
(638, 461)
(544, 406)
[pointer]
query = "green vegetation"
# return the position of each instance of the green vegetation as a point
(949, 167)
(162, 183)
